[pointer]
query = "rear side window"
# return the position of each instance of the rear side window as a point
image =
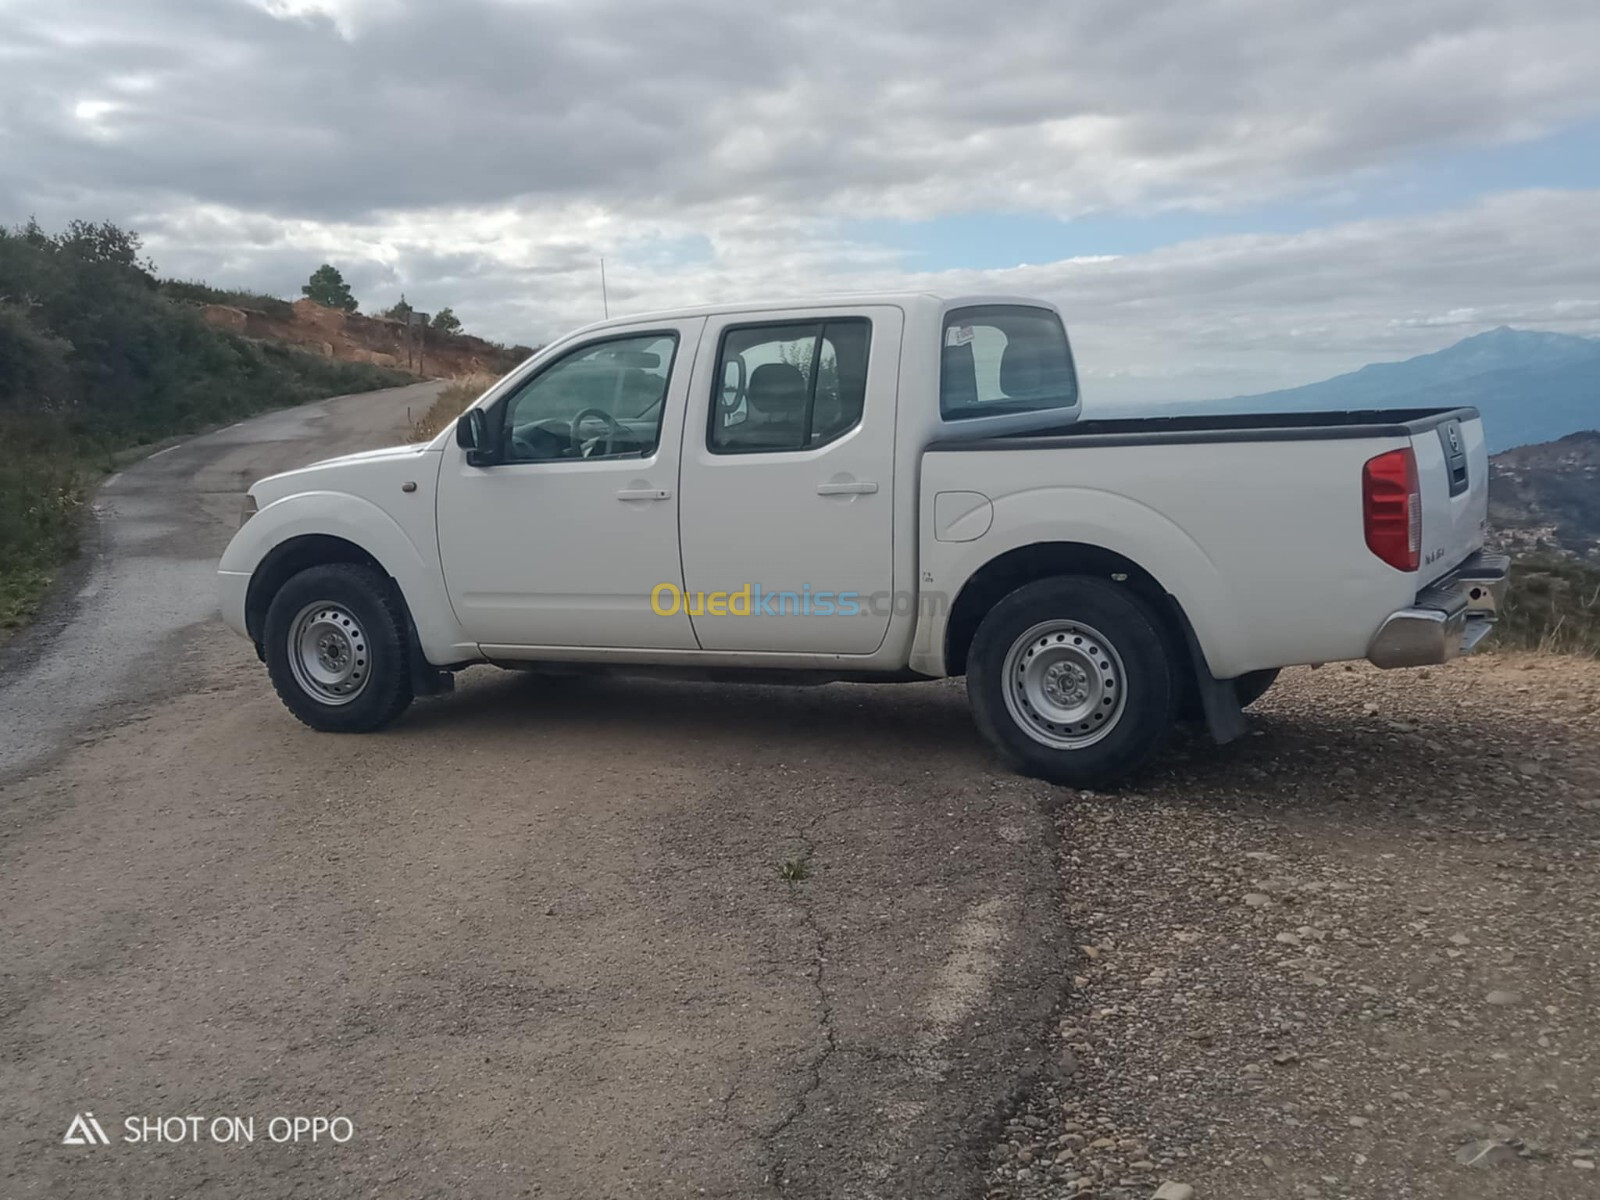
(793, 386)
(1003, 358)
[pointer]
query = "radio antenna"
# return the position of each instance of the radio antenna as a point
(605, 300)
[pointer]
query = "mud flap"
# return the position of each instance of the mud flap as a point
(426, 679)
(1219, 699)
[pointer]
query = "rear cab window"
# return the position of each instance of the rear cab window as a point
(1003, 359)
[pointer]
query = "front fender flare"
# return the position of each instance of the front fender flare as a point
(362, 523)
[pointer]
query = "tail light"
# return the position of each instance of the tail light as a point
(1391, 508)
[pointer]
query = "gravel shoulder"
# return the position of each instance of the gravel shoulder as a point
(1342, 957)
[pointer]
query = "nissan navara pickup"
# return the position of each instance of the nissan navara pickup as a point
(885, 488)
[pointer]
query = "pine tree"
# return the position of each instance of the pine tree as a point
(328, 288)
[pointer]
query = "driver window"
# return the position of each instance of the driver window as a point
(603, 400)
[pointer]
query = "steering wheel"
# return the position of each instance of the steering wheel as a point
(586, 445)
(538, 442)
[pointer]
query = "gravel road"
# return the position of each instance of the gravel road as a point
(1341, 958)
(601, 938)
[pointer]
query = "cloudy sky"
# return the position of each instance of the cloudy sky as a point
(1223, 195)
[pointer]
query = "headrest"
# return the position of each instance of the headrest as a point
(777, 389)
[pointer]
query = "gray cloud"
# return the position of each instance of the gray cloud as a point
(1214, 317)
(485, 153)
(907, 106)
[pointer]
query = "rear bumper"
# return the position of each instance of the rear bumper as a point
(1450, 617)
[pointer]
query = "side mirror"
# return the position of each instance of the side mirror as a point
(472, 435)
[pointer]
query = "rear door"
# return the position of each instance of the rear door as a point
(788, 481)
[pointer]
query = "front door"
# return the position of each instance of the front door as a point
(788, 482)
(563, 539)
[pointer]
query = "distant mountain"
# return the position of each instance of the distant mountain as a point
(1530, 386)
(1546, 498)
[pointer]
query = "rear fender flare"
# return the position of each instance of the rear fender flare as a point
(1106, 521)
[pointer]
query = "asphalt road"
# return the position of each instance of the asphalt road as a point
(159, 528)
(535, 939)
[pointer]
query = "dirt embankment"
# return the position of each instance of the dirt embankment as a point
(352, 337)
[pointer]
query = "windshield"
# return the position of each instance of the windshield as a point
(1003, 358)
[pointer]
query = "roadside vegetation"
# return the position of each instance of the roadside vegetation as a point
(195, 292)
(452, 402)
(1552, 606)
(99, 357)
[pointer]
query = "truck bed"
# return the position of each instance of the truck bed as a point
(1253, 522)
(1221, 427)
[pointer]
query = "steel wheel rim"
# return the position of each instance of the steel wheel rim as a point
(1065, 685)
(328, 653)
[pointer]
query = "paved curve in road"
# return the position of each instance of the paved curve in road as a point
(535, 939)
(159, 528)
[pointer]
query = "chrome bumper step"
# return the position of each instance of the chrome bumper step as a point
(1449, 618)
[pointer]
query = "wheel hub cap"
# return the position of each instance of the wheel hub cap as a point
(328, 653)
(1064, 684)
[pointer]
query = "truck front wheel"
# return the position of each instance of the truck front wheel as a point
(1070, 680)
(335, 642)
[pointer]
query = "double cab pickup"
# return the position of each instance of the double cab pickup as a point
(881, 488)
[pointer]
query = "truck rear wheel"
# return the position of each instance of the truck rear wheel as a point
(335, 642)
(1070, 680)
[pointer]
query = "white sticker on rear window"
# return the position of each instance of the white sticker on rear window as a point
(958, 335)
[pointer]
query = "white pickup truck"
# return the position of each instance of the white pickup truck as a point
(878, 488)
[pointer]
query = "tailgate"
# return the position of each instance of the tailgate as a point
(1453, 473)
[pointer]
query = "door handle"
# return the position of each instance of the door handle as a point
(644, 494)
(858, 487)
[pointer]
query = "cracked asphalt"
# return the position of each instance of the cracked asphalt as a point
(534, 940)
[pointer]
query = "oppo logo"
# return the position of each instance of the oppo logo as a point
(85, 1131)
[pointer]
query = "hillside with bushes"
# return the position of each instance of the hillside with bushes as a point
(1544, 509)
(349, 336)
(98, 357)
(1545, 498)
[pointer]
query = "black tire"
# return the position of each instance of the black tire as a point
(1253, 685)
(366, 598)
(1126, 624)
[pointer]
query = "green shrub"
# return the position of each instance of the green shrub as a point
(1552, 605)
